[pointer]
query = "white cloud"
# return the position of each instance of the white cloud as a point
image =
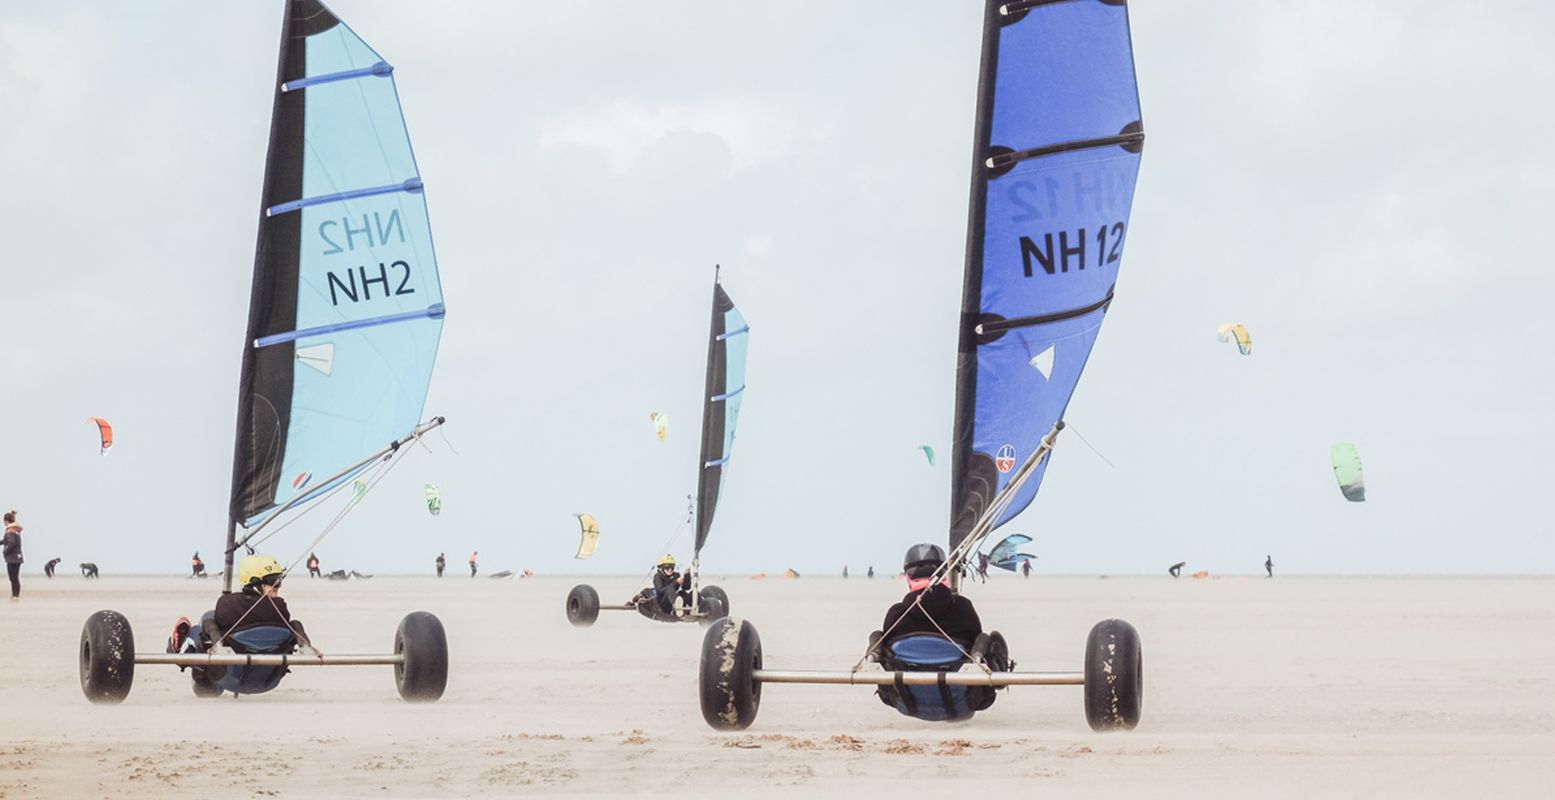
(754, 131)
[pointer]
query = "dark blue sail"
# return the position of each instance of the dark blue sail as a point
(346, 308)
(720, 405)
(1056, 156)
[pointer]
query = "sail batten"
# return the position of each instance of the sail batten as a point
(379, 69)
(346, 306)
(1055, 158)
(409, 185)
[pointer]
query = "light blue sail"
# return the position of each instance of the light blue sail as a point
(368, 303)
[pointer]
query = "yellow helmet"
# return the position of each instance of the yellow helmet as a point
(254, 569)
(665, 560)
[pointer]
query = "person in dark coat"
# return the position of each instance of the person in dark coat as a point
(13, 554)
(669, 584)
(48, 567)
(441, 562)
(940, 610)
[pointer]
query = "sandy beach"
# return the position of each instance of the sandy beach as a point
(1337, 687)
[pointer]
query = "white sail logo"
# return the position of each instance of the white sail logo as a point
(1043, 362)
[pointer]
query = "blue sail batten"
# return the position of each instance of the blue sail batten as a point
(436, 311)
(721, 397)
(409, 185)
(380, 69)
(723, 336)
(1058, 147)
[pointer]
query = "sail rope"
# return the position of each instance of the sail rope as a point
(985, 525)
(301, 637)
(917, 603)
(1093, 448)
(378, 474)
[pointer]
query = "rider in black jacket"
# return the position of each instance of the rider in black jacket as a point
(941, 610)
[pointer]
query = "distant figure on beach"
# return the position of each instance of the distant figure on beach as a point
(441, 562)
(313, 566)
(1268, 565)
(473, 565)
(1025, 568)
(844, 570)
(89, 569)
(13, 554)
(982, 566)
(48, 568)
(196, 566)
(1176, 569)
(871, 572)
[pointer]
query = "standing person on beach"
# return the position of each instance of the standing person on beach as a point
(13, 554)
(1025, 568)
(473, 565)
(1268, 565)
(313, 566)
(441, 562)
(196, 566)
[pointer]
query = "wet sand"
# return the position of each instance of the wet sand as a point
(1292, 687)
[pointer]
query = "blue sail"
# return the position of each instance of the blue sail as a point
(1057, 152)
(725, 389)
(346, 308)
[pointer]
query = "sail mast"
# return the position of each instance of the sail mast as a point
(972, 285)
(268, 302)
(721, 398)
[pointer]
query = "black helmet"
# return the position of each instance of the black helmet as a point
(922, 559)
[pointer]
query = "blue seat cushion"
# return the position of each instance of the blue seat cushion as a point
(926, 650)
(266, 639)
(261, 639)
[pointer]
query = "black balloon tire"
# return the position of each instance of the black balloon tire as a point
(1114, 676)
(107, 656)
(717, 593)
(582, 606)
(423, 674)
(730, 693)
(712, 610)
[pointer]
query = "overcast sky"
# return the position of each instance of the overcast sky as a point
(1367, 186)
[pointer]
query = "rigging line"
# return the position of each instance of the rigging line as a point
(302, 512)
(441, 433)
(1088, 444)
(917, 603)
(690, 513)
(372, 482)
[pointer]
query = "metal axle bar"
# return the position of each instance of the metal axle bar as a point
(263, 660)
(923, 678)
